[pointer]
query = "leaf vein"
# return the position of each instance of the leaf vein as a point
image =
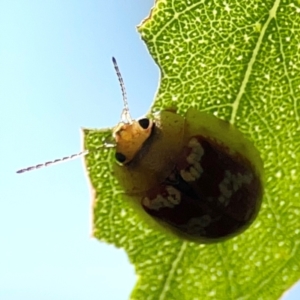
(236, 103)
(230, 283)
(172, 271)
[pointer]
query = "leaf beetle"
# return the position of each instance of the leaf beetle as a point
(195, 175)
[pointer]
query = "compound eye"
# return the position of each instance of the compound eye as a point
(120, 157)
(144, 123)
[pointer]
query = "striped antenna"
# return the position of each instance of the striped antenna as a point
(125, 113)
(66, 158)
(53, 162)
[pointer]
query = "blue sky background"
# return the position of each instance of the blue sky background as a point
(56, 76)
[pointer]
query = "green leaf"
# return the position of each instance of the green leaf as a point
(239, 60)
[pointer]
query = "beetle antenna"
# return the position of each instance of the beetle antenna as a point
(53, 162)
(125, 113)
(125, 116)
(60, 160)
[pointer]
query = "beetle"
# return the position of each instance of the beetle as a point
(196, 175)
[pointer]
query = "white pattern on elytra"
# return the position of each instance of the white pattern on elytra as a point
(195, 170)
(173, 198)
(231, 184)
(197, 225)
